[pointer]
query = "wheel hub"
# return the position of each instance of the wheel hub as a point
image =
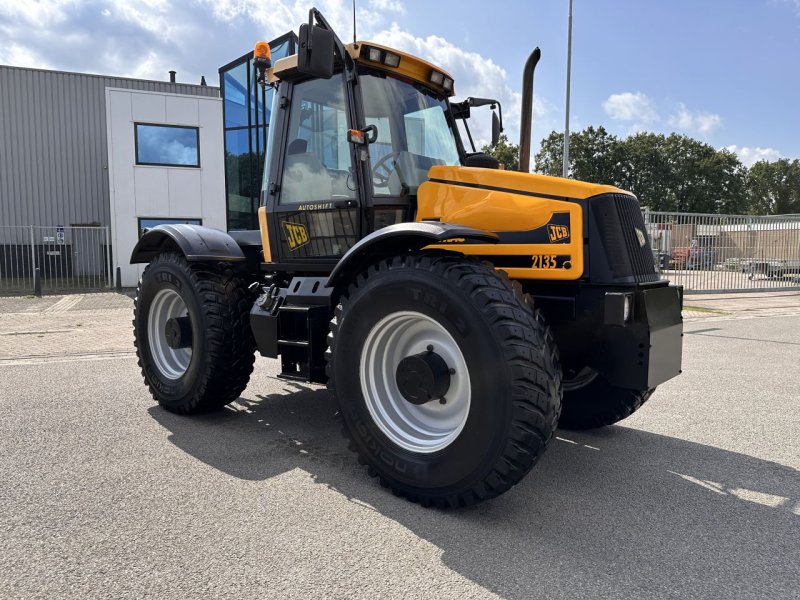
(178, 332)
(169, 334)
(423, 377)
(409, 361)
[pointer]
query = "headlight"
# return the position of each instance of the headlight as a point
(618, 308)
(626, 311)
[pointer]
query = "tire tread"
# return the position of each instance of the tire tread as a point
(230, 356)
(531, 355)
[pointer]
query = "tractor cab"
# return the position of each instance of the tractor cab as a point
(348, 151)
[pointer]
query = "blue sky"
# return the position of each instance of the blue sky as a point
(724, 71)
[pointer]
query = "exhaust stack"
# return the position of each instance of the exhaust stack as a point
(527, 111)
(172, 76)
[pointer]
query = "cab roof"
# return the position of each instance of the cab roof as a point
(410, 66)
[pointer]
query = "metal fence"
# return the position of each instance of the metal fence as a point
(54, 259)
(703, 253)
(724, 253)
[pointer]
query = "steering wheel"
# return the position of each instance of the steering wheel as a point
(381, 170)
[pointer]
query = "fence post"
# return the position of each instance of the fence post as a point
(37, 283)
(108, 260)
(119, 279)
(33, 257)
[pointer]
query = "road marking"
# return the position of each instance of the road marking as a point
(44, 360)
(43, 332)
(63, 305)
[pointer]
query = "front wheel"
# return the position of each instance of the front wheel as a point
(590, 401)
(192, 334)
(448, 383)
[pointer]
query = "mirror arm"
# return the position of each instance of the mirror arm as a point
(469, 135)
(486, 102)
(349, 63)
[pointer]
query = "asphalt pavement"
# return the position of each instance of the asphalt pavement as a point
(105, 495)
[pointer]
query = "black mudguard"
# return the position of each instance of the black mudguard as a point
(197, 243)
(399, 239)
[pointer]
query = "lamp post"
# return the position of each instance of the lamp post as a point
(565, 161)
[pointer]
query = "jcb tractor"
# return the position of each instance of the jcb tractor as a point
(457, 311)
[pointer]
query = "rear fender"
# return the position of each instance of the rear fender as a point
(196, 243)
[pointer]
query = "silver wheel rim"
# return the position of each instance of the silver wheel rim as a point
(422, 428)
(171, 362)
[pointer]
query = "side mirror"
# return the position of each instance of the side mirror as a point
(315, 51)
(495, 129)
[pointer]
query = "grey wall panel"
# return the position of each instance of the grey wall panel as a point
(53, 144)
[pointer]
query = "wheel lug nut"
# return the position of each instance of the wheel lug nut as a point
(442, 400)
(452, 371)
(430, 348)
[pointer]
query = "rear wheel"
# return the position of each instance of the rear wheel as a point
(590, 401)
(192, 334)
(448, 383)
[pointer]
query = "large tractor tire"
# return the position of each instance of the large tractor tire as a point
(597, 403)
(448, 383)
(192, 334)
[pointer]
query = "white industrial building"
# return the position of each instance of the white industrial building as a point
(87, 162)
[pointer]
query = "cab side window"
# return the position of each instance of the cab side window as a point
(318, 163)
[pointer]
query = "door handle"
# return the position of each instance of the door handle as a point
(345, 203)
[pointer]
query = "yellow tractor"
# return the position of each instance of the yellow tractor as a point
(458, 312)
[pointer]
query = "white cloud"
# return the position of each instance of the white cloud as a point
(474, 75)
(37, 14)
(152, 67)
(15, 54)
(750, 156)
(702, 123)
(631, 107)
(149, 37)
(638, 110)
(388, 5)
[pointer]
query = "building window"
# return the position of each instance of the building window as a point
(246, 107)
(167, 145)
(147, 223)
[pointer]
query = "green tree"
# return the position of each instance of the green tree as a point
(595, 155)
(774, 187)
(506, 152)
(646, 171)
(703, 179)
(674, 173)
(550, 157)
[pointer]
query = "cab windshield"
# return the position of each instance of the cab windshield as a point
(414, 133)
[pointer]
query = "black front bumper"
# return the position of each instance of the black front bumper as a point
(639, 352)
(646, 350)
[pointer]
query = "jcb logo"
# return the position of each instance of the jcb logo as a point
(296, 235)
(558, 233)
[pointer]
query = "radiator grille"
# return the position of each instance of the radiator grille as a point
(620, 222)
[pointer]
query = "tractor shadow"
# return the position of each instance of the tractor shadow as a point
(614, 513)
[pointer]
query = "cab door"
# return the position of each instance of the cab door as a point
(313, 199)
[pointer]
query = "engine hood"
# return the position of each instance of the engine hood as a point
(529, 183)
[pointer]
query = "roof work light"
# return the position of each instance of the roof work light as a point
(378, 55)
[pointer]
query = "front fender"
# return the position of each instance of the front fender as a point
(399, 239)
(197, 243)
